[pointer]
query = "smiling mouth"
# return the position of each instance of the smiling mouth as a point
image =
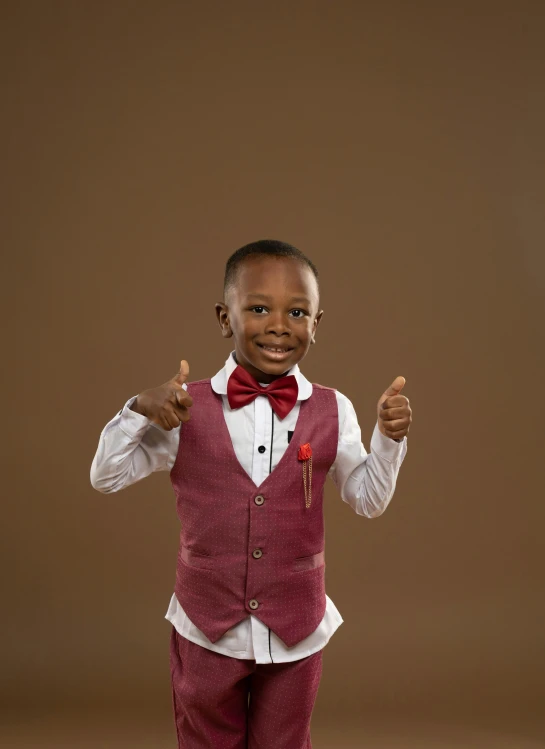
(276, 349)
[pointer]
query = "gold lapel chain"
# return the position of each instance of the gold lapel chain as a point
(308, 490)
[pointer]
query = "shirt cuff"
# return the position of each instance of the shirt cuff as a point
(132, 423)
(386, 447)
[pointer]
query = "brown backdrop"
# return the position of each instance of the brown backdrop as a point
(400, 145)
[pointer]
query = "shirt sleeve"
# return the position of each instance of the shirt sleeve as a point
(366, 481)
(130, 448)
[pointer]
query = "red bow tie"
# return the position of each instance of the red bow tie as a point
(282, 393)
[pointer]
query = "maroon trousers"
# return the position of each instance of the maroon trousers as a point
(210, 693)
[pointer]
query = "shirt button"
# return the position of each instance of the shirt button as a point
(259, 499)
(253, 604)
(261, 449)
(256, 553)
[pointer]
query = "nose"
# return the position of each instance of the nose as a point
(277, 324)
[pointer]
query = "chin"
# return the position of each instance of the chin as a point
(274, 367)
(265, 364)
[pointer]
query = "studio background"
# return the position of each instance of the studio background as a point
(401, 147)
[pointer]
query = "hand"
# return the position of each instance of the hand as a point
(394, 412)
(168, 404)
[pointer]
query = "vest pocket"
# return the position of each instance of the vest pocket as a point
(309, 563)
(196, 559)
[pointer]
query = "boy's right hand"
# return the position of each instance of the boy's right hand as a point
(168, 404)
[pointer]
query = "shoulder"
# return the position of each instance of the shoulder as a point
(315, 386)
(345, 408)
(199, 384)
(330, 396)
(329, 391)
(200, 389)
(323, 394)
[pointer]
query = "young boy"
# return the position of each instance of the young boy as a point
(248, 453)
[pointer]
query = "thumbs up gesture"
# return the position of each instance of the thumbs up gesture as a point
(168, 404)
(394, 412)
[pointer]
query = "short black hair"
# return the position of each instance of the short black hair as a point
(263, 247)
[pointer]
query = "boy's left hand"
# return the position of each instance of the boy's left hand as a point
(394, 412)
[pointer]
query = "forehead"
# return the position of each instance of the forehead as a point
(277, 276)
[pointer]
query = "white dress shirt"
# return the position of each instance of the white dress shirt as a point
(131, 447)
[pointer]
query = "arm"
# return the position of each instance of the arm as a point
(144, 436)
(366, 481)
(130, 448)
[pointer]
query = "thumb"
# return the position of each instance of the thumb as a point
(396, 387)
(183, 374)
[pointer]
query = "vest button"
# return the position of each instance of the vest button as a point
(259, 499)
(261, 449)
(253, 604)
(256, 553)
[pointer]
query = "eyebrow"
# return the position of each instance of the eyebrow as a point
(293, 300)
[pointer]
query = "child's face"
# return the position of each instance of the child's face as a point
(273, 305)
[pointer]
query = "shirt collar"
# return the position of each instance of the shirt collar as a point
(219, 380)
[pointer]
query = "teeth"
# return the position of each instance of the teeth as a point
(275, 350)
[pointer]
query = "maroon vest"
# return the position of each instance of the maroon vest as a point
(247, 549)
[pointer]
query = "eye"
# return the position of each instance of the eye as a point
(300, 313)
(258, 309)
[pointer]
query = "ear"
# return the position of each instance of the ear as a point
(222, 314)
(315, 324)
